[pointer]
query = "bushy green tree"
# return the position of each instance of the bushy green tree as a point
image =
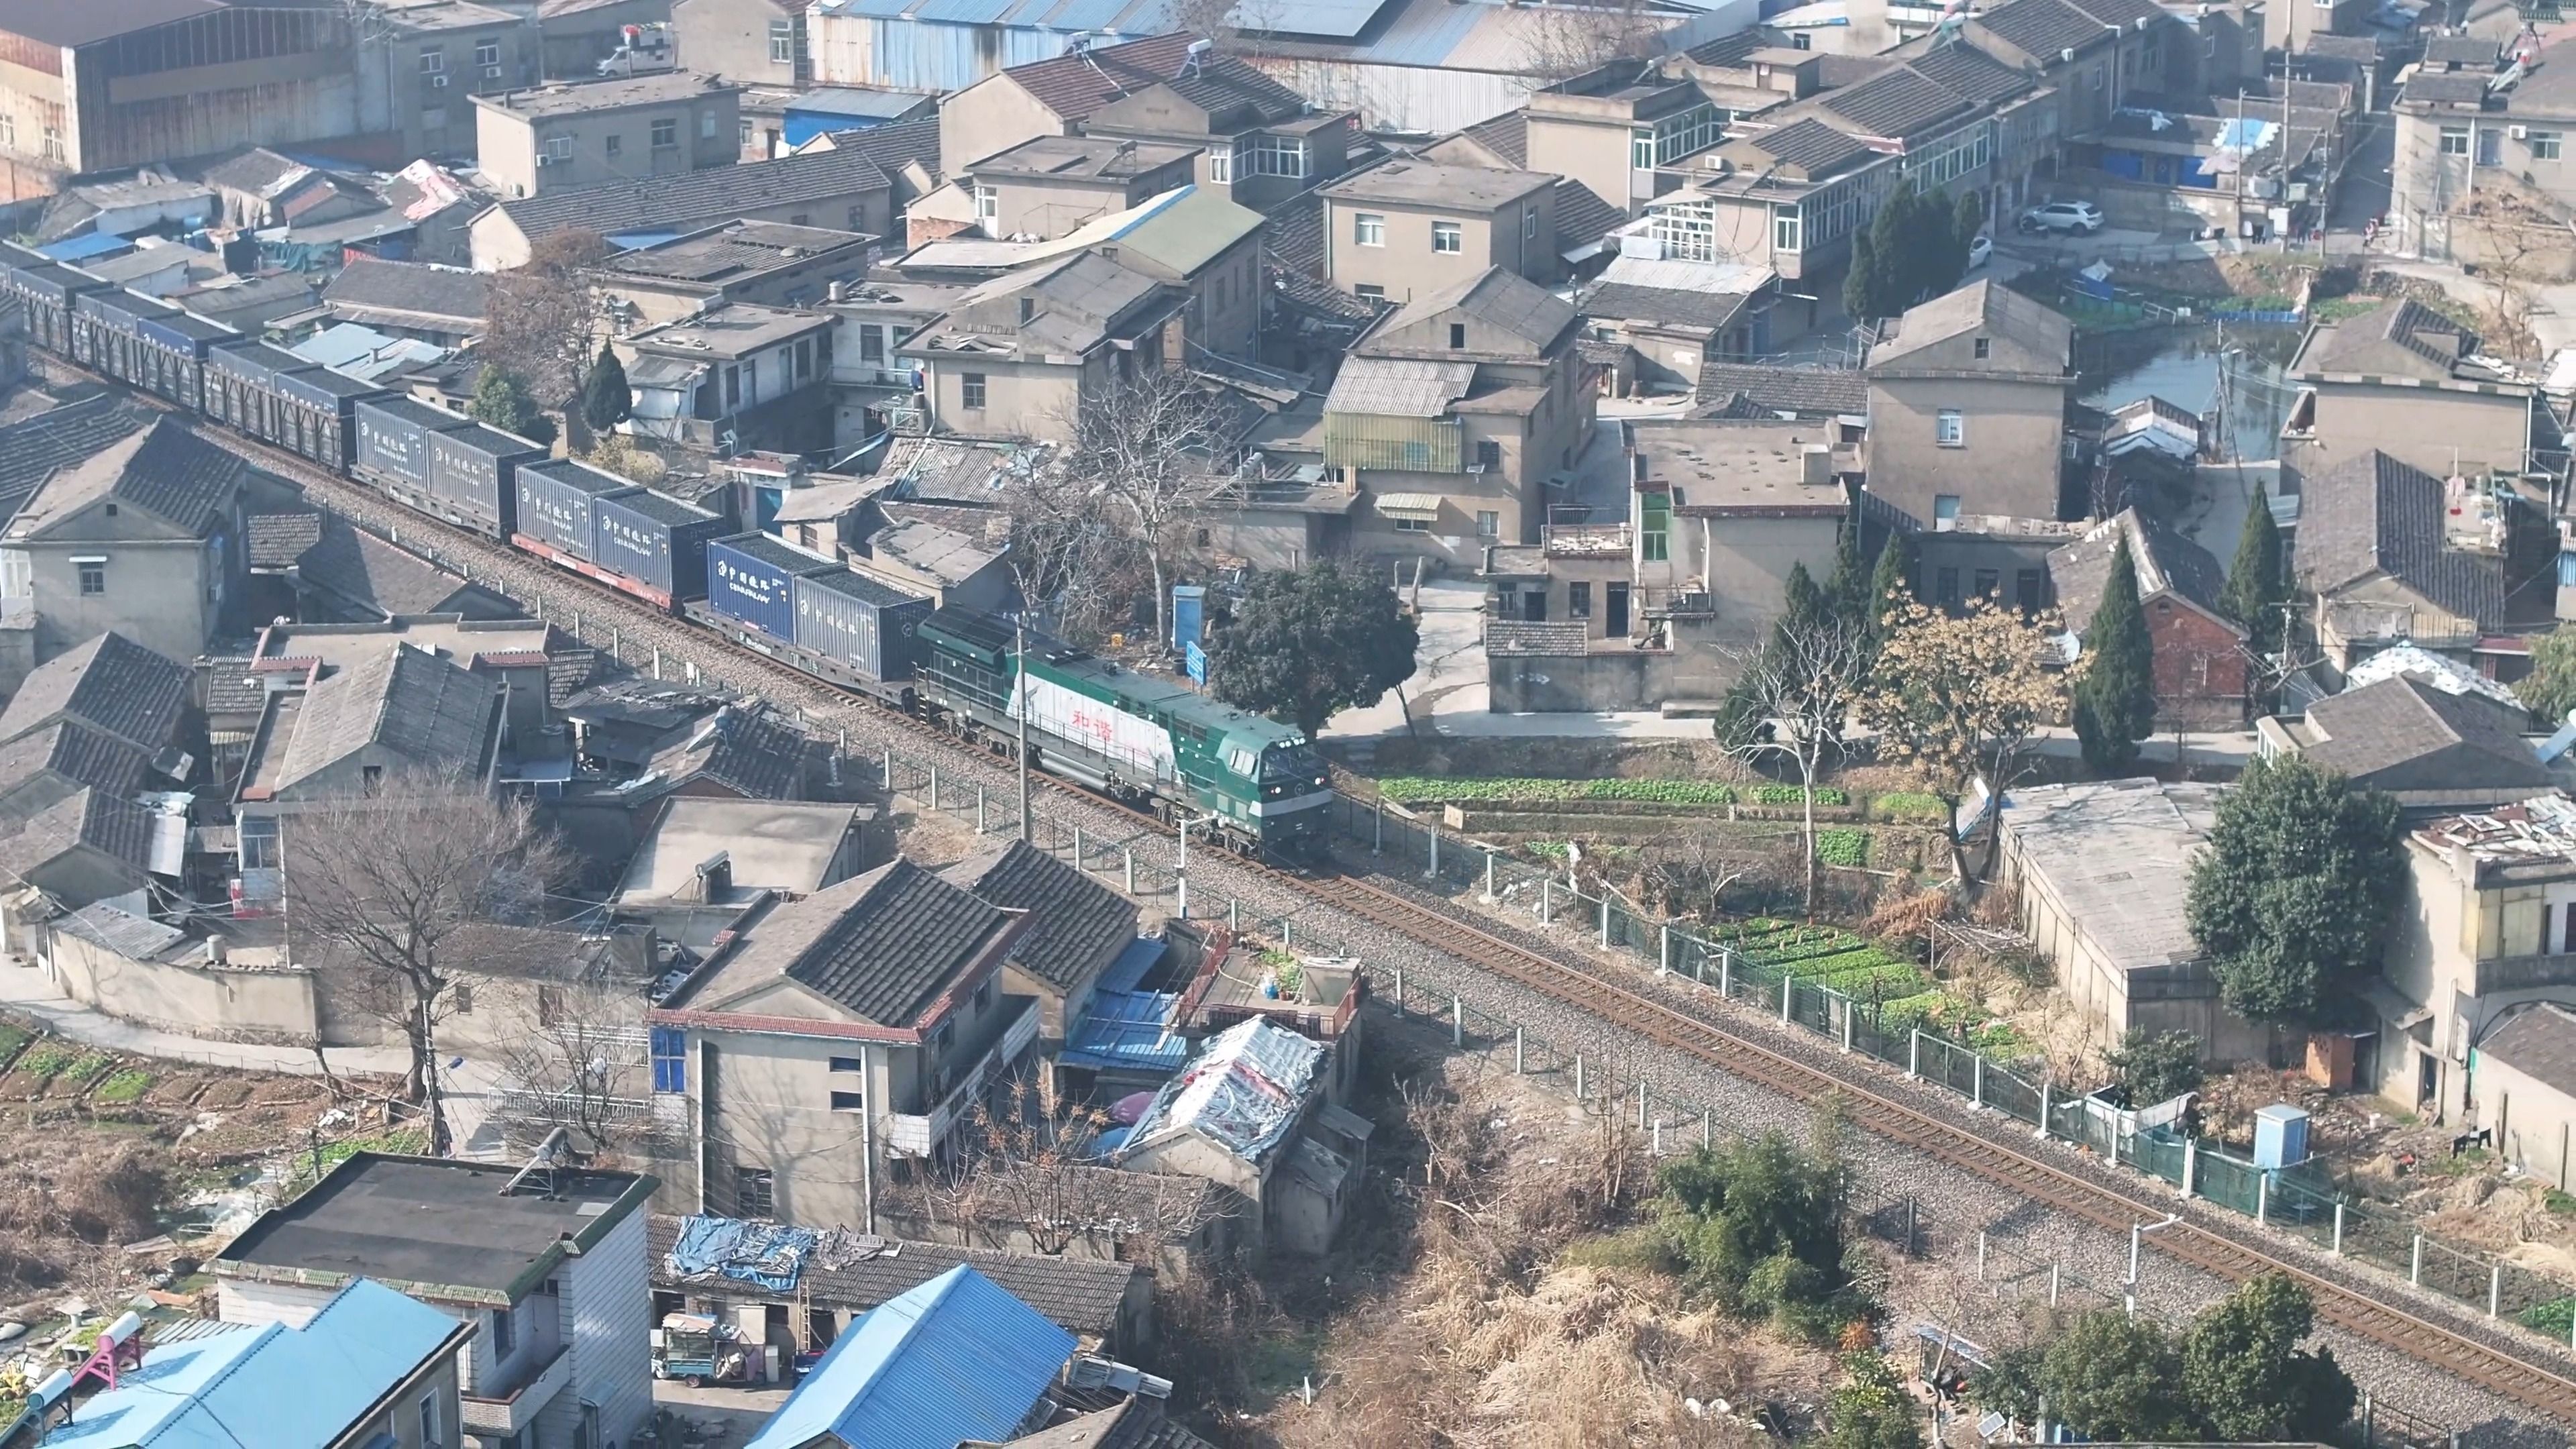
(1913, 248)
(2292, 897)
(1758, 1226)
(1848, 589)
(605, 398)
(2256, 583)
(2114, 1378)
(2549, 690)
(2010, 1384)
(1869, 1409)
(2246, 1376)
(1304, 644)
(2115, 698)
(502, 399)
(2154, 1067)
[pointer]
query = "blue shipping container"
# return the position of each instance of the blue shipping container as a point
(751, 580)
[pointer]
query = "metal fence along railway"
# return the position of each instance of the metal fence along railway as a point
(646, 640)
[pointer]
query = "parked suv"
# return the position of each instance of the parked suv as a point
(2078, 218)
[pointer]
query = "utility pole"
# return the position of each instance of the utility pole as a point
(1020, 698)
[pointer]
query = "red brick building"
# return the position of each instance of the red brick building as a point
(2203, 668)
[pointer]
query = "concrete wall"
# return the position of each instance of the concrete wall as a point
(210, 1003)
(1406, 265)
(299, 85)
(772, 1109)
(1039, 401)
(731, 38)
(2435, 429)
(1595, 153)
(1618, 679)
(1746, 562)
(400, 95)
(2535, 1123)
(170, 595)
(518, 150)
(1047, 208)
(991, 116)
(607, 1311)
(2007, 463)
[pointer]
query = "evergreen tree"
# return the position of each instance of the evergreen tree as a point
(1861, 296)
(2115, 1378)
(2115, 699)
(1848, 589)
(605, 399)
(1967, 219)
(1895, 246)
(2292, 896)
(502, 399)
(1306, 644)
(2256, 586)
(2247, 1377)
(1740, 716)
(1892, 582)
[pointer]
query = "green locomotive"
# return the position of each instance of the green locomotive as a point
(1137, 739)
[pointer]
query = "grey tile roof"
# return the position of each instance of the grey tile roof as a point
(898, 937)
(1074, 86)
(417, 289)
(1505, 137)
(750, 754)
(1900, 103)
(2042, 28)
(1980, 306)
(2452, 741)
(895, 146)
(2399, 338)
(1503, 300)
(1626, 302)
(2463, 50)
(230, 686)
(2374, 514)
(77, 755)
(2124, 13)
(1234, 92)
(1076, 926)
(1806, 391)
(1397, 387)
(118, 829)
(2442, 87)
(110, 683)
(1080, 1295)
(1582, 217)
(675, 202)
(2539, 1042)
(168, 472)
(367, 571)
(1971, 73)
(2165, 561)
(415, 705)
(278, 540)
(36, 449)
(1810, 145)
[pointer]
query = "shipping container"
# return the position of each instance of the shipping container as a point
(473, 477)
(393, 444)
(859, 624)
(556, 507)
(47, 288)
(751, 580)
(655, 542)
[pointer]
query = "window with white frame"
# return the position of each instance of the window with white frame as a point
(1529, 223)
(1950, 428)
(1687, 231)
(1681, 134)
(666, 132)
(706, 125)
(1448, 236)
(432, 61)
(1951, 158)
(487, 53)
(987, 205)
(2455, 140)
(1787, 234)
(1641, 149)
(1271, 156)
(1368, 229)
(782, 42)
(1220, 165)
(559, 148)
(2544, 145)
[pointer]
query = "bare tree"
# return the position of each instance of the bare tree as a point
(540, 319)
(578, 1063)
(1148, 444)
(392, 886)
(1070, 554)
(1563, 40)
(1030, 1173)
(1800, 691)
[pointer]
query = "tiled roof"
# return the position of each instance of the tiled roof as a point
(110, 683)
(1225, 87)
(364, 570)
(411, 288)
(1138, 1423)
(1582, 217)
(893, 147)
(2376, 728)
(1979, 306)
(415, 705)
(2399, 338)
(168, 472)
(1806, 391)
(1294, 236)
(2164, 560)
(1629, 291)
(2042, 28)
(118, 829)
(1503, 300)
(36, 449)
(77, 754)
(1810, 145)
(231, 688)
(1073, 86)
(1970, 72)
(1505, 137)
(1900, 103)
(2374, 514)
(675, 202)
(2123, 13)
(1081, 1295)
(1076, 924)
(2469, 50)
(278, 540)
(2540, 1043)
(898, 935)
(747, 753)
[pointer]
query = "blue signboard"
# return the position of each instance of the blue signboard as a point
(1195, 659)
(1189, 614)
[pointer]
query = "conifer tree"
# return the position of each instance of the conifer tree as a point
(2256, 587)
(605, 399)
(2115, 699)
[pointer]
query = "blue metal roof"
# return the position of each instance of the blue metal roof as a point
(861, 102)
(954, 1359)
(1126, 1029)
(279, 1387)
(88, 248)
(1132, 964)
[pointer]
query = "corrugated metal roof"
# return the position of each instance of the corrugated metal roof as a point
(1422, 34)
(955, 1359)
(1244, 1092)
(1399, 387)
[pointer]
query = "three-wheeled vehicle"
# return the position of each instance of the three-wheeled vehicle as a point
(698, 1351)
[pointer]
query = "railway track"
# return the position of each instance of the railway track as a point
(1724, 1046)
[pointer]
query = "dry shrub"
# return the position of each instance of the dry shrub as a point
(96, 1194)
(1907, 917)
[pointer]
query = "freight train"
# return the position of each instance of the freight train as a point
(1256, 784)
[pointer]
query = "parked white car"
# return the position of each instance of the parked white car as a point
(2076, 218)
(1981, 250)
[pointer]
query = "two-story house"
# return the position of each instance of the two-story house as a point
(1046, 186)
(1406, 229)
(737, 376)
(2462, 128)
(1078, 929)
(837, 1039)
(144, 537)
(734, 261)
(2090, 53)
(545, 1266)
(2404, 380)
(428, 59)
(2393, 554)
(563, 136)
(1453, 412)
(1016, 357)
(1967, 407)
(2201, 664)
(843, 187)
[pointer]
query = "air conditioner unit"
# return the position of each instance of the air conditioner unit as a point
(2519, 133)
(491, 72)
(438, 82)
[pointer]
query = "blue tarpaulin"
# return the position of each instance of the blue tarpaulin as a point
(765, 1254)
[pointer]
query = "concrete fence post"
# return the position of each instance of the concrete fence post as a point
(1077, 850)
(1127, 853)
(2338, 1230)
(1977, 1079)
(1433, 870)
(979, 810)
(1725, 972)
(1546, 903)
(1489, 877)
(1788, 989)
(1457, 1022)
(1641, 1104)
(934, 789)
(2052, 1284)
(2262, 1199)
(1377, 837)
(1981, 1255)
(1914, 1053)
(1233, 914)
(1578, 1076)
(1399, 990)
(1520, 1052)
(2044, 1085)
(2190, 1165)
(2415, 1266)
(1705, 1140)
(1847, 1024)
(889, 769)
(1664, 949)
(2495, 1288)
